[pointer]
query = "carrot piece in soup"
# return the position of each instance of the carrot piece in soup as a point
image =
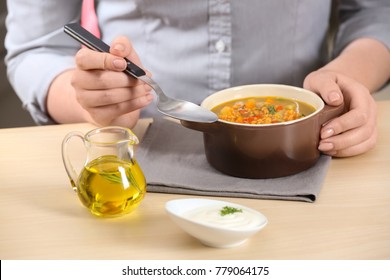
(250, 104)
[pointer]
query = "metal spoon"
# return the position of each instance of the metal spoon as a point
(178, 109)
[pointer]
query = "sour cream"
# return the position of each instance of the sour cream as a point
(211, 215)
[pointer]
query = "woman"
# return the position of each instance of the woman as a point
(194, 48)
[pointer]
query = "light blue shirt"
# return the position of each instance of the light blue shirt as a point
(193, 48)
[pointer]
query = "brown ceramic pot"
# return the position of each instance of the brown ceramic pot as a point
(264, 151)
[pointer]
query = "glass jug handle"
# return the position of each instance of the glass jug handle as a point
(70, 170)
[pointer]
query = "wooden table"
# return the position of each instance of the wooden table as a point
(42, 218)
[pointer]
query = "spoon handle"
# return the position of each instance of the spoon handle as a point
(83, 36)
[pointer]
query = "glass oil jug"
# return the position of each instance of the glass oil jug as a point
(111, 183)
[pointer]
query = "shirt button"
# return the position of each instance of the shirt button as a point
(220, 46)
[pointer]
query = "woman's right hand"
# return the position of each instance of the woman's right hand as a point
(102, 88)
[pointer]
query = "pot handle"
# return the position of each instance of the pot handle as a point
(330, 112)
(203, 127)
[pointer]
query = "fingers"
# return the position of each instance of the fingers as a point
(87, 59)
(348, 144)
(103, 97)
(103, 89)
(325, 84)
(350, 120)
(111, 95)
(102, 79)
(121, 47)
(349, 134)
(355, 131)
(351, 142)
(104, 115)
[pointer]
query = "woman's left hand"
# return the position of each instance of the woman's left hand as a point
(354, 132)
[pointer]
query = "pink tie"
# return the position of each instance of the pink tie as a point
(88, 17)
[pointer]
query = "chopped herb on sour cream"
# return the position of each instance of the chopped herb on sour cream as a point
(227, 210)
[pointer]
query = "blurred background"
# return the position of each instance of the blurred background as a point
(12, 113)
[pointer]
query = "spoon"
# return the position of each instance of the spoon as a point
(178, 109)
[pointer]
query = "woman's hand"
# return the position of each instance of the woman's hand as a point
(354, 132)
(102, 88)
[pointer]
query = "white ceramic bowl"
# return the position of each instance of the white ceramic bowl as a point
(227, 231)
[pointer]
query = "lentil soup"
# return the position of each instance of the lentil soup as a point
(262, 110)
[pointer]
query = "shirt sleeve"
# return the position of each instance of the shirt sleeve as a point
(363, 18)
(38, 50)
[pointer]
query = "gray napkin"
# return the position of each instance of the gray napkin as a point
(173, 160)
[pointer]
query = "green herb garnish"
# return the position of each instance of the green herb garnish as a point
(271, 109)
(227, 210)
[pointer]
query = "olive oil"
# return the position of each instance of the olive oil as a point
(109, 186)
